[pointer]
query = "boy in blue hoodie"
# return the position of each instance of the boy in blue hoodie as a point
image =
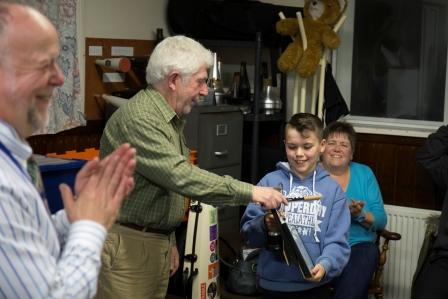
(322, 224)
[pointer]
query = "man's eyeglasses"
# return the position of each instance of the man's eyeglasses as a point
(203, 81)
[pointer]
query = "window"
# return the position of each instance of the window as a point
(391, 66)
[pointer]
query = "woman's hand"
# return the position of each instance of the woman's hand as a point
(356, 207)
(356, 210)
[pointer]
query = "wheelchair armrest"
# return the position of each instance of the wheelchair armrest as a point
(389, 235)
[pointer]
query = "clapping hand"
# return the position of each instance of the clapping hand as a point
(100, 187)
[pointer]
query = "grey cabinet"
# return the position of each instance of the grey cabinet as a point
(216, 132)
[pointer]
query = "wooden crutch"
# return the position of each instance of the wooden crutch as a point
(323, 65)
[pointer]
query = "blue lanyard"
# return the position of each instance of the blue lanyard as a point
(14, 160)
(42, 194)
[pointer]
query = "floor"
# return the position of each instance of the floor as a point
(227, 295)
(224, 295)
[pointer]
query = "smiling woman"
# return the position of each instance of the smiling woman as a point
(366, 209)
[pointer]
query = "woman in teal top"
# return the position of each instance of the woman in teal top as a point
(366, 208)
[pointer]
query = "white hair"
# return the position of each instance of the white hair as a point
(177, 53)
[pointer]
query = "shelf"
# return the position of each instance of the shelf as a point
(264, 117)
(254, 121)
(227, 43)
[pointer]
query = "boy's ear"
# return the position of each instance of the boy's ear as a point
(323, 143)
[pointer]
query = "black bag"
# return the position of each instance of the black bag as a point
(334, 105)
(242, 273)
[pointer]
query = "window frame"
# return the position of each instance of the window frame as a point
(342, 68)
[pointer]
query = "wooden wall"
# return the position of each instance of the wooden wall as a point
(75, 139)
(403, 181)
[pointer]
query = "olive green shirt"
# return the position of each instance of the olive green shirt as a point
(163, 176)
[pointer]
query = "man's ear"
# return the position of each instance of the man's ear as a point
(173, 77)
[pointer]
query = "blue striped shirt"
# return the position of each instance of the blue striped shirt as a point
(41, 255)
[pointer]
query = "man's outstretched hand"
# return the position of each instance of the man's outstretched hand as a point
(268, 197)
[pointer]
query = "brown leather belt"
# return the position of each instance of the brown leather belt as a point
(146, 229)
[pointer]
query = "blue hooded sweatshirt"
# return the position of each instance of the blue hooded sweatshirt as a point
(322, 224)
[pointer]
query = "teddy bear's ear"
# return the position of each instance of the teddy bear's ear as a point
(343, 5)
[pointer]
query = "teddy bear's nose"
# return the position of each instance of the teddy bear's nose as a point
(314, 3)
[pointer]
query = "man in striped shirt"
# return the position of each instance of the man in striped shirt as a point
(43, 255)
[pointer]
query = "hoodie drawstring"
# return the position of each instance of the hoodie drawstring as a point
(317, 203)
(316, 213)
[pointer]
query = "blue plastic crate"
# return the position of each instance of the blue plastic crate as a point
(54, 172)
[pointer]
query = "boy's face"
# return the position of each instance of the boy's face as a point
(303, 151)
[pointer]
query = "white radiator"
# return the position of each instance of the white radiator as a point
(403, 254)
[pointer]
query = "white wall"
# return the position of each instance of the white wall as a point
(130, 19)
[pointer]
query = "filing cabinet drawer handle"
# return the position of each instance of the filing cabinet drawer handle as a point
(221, 153)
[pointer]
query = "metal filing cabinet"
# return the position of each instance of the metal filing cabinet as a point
(216, 132)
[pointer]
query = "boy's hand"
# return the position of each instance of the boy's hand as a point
(318, 273)
(269, 221)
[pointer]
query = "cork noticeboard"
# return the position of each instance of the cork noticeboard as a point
(94, 85)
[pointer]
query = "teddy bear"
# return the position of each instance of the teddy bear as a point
(319, 18)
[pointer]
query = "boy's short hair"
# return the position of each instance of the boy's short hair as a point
(341, 127)
(306, 122)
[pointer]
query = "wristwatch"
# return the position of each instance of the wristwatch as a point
(361, 217)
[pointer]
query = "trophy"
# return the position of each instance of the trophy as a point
(292, 247)
(289, 242)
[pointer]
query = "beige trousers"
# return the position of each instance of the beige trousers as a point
(134, 265)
